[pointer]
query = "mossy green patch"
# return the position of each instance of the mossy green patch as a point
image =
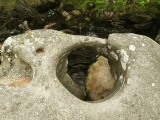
(121, 6)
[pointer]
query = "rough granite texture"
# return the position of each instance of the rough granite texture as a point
(135, 65)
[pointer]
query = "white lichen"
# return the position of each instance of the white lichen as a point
(21, 46)
(32, 35)
(134, 37)
(129, 81)
(143, 44)
(15, 56)
(9, 59)
(153, 84)
(124, 58)
(121, 78)
(114, 55)
(132, 48)
(8, 41)
(109, 47)
(129, 67)
(33, 47)
(41, 43)
(66, 62)
(34, 60)
(37, 39)
(9, 50)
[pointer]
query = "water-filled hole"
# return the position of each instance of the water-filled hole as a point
(77, 70)
(79, 61)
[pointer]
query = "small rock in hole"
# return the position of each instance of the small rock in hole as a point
(99, 80)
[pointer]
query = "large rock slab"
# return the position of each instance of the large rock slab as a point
(42, 55)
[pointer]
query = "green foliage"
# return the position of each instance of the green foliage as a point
(88, 19)
(120, 6)
(142, 2)
(153, 10)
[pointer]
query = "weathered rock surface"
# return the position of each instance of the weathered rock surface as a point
(134, 62)
(73, 87)
(157, 39)
(99, 80)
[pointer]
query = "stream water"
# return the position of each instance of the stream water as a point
(103, 29)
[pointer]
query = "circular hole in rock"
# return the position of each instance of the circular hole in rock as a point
(40, 51)
(18, 75)
(88, 75)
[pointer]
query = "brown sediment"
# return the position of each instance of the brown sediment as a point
(16, 82)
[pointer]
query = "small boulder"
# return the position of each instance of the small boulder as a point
(23, 27)
(143, 26)
(99, 80)
(140, 17)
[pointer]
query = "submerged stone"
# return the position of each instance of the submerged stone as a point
(99, 81)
